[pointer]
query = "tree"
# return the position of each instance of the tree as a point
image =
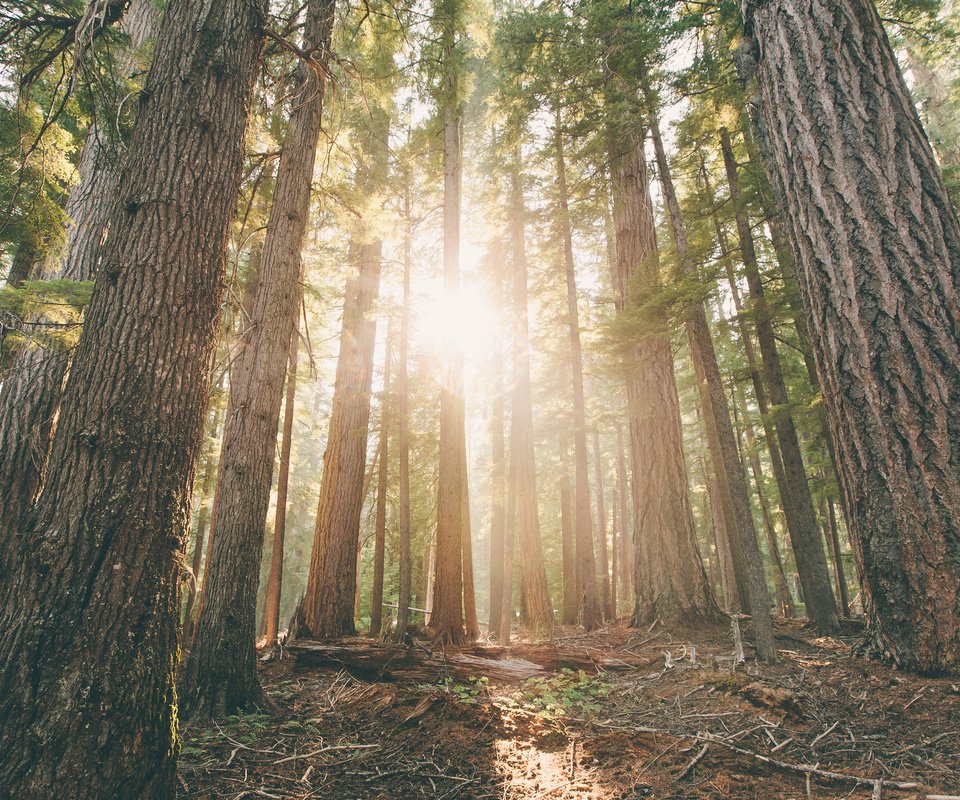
(271, 611)
(220, 676)
(100, 553)
(523, 462)
(877, 243)
(380, 523)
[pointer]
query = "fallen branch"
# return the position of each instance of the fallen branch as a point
(693, 763)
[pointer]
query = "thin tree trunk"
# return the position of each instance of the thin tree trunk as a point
(275, 581)
(533, 571)
(509, 549)
(403, 435)
(380, 525)
(220, 676)
(615, 530)
(604, 564)
(100, 550)
(498, 477)
(829, 516)
(569, 555)
(588, 602)
(626, 527)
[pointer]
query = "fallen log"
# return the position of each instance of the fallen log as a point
(553, 658)
(383, 661)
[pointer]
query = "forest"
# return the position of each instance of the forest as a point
(511, 399)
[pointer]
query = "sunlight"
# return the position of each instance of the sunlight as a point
(465, 322)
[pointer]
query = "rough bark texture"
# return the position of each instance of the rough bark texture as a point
(723, 443)
(878, 245)
(33, 386)
(88, 703)
(670, 581)
(327, 610)
(798, 502)
(532, 569)
(271, 610)
(447, 617)
(220, 676)
(586, 571)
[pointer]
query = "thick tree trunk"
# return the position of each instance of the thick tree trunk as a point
(380, 523)
(798, 502)
(604, 561)
(878, 243)
(89, 704)
(725, 452)
(533, 571)
(586, 571)
(447, 618)
(670, 582)
(220, 676)
(33, 386)
(274, 589)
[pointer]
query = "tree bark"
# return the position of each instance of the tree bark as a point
(533, 571)
(220, 675)
(498, 466)
(588, 602)
(569, 555)
(604, 561)
(734, 493)
(275, 580)
(380, 523)
(670, 582)
(32, 388)
(798, 502)
(626, 528)
(447, 618)
(878, 244)
(89, 703)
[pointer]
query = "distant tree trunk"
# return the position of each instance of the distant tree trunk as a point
(533, 572)
(734, 492)
(670, 581)
(33, 385)
(89, 703)
(798, 503)
(626, 527)
(471, 623)
(403, 435)
(608, 612)
(447, 618)
(615, 532)
(509, 549)
(220, 676)
(206, 487)
(498, 464)
(878, 243)
(380, 524)
(589, 604)
(569, 555)
(829, 517)
(275, 581)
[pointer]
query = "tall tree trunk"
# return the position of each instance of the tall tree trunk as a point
(380, 523)
(498, 466)
(670, 582)
(275, 580)
(403, 434)
(734, 493)
(604, 561)
(615, 533)
(798, 502)
(834, 540)
(220, 676)
(447, 617)
(588, 602)
(626, 527)
(569, 555)
(878, 243)
(32, 388)
(471, 623)
(533, 571)
(100, 551)
(203, 518)
(509, 550)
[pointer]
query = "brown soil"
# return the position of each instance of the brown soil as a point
(616, 735)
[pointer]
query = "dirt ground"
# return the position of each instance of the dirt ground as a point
(682, 722)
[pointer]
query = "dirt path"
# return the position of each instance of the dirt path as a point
(633, 734)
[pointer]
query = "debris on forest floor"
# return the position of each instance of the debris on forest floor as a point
(678, 723)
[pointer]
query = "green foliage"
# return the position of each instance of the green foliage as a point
(561, 694)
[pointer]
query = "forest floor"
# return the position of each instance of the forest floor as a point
(681, 723)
